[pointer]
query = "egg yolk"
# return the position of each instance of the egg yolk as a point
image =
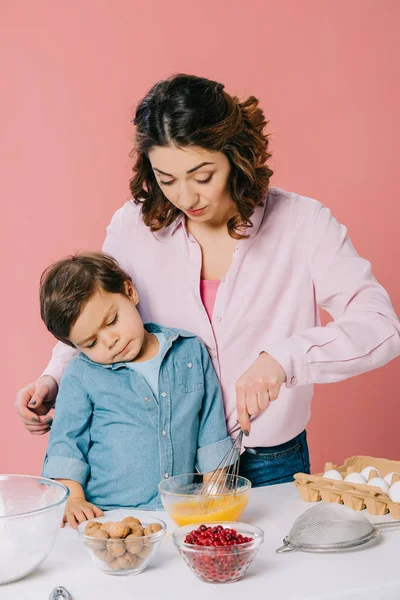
(208, 509)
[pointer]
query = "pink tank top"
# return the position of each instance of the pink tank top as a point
(208, 292)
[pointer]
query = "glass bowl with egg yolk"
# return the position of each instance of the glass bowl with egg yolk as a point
(184, 499)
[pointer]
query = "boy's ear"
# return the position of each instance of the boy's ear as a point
(131, 292)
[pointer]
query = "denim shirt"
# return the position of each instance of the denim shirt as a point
(118, 440)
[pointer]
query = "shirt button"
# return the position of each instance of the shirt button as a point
(147, 399)
(293, 381)
(223, 278)
(219, 319)
(164, 433)
(166, 475)
(164, 394)
(190, 365)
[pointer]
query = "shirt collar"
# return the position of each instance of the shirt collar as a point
(170, 229)
(256, 220)
(170, 334)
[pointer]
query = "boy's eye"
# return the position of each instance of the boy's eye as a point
(115, 319)
(92, 345)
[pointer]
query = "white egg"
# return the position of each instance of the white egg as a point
(394, 492)
(333, 474)
(355, 478)
(388, 477)
(367, 470)
(379, 482)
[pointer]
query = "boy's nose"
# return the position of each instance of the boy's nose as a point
(111, 339)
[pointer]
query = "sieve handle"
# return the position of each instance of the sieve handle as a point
(287, 547)
(386, 524)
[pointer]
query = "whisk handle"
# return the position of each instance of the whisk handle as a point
(287, 547)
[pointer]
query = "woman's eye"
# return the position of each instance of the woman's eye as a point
(115, 319)
(204, 180)
(166, 182)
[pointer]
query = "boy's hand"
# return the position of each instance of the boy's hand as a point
(79, 510)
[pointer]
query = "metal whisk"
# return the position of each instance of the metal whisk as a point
(225, 477)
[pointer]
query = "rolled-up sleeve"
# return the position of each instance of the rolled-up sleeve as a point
(213, 440)
(365, 332)
(61, 355)
(209, 457)
(70, 433)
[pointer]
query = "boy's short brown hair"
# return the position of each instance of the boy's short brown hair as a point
(67, 285)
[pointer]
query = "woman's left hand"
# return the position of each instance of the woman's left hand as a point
(257, 387)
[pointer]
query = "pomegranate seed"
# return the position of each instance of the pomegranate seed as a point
(224, 563)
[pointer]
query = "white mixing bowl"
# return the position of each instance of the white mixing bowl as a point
(31, 512)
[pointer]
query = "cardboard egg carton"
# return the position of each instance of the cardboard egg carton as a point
(357, 496)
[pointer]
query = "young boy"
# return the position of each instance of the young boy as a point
(138, 403)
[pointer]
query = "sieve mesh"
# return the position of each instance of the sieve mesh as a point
(329, 527)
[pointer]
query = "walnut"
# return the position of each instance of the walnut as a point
(131, 521)
(145, 551)
(104, 554)
(152, 528)
(127, 561)
(133, 544)
(117, 530)
(99, 532)
(116, 547)
(102, 536)
(91, 526)
(136, 530)
(114, 565)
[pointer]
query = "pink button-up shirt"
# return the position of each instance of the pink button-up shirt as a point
(297, 256)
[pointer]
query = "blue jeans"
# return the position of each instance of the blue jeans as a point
(275, 464)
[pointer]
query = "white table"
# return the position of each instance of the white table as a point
(371, 572)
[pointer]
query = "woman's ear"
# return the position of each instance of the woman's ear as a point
(131, 292)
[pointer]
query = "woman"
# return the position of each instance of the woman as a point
(213, 250)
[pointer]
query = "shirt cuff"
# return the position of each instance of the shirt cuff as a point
(61, 467)
(209, 457)
(55, 369)
(292, 360)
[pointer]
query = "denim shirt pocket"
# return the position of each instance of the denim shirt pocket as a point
(189, 374)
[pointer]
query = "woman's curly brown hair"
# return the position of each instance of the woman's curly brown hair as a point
(186, 110)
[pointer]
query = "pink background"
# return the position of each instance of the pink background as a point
(327, 76)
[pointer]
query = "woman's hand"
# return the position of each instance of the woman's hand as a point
(257, 387)
(33, 403)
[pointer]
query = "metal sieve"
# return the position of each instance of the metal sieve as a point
(331, 527)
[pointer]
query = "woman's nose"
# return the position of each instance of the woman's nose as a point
(187, 198)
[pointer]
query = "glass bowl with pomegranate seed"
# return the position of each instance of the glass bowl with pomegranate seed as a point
(218, 552)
